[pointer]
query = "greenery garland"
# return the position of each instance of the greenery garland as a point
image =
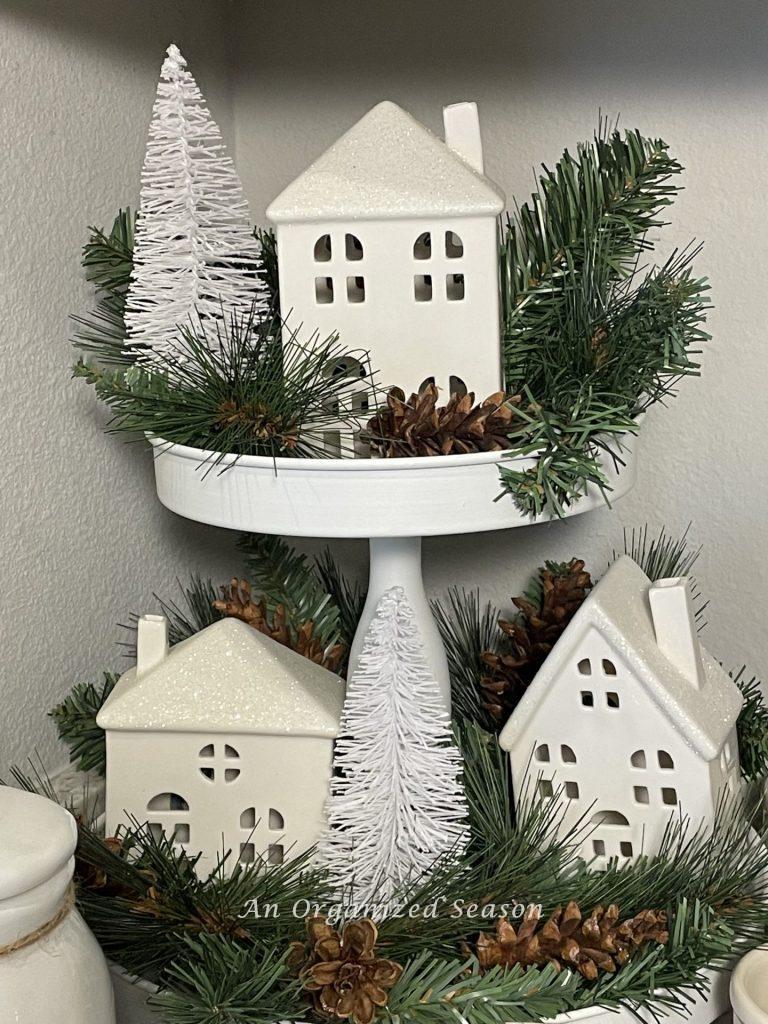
(590, 341)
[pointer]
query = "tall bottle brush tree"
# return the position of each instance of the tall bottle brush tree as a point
(195, 255)
(397, 806)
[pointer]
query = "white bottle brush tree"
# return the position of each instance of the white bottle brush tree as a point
(398, 804)
(195, 256)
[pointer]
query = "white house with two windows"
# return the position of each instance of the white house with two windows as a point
(391, 239)
(629, 719)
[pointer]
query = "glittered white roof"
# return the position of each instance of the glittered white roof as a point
(619, 609)
(229, 678)
(387, 165)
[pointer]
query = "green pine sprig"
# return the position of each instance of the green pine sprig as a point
(75, 720)
(752, 727)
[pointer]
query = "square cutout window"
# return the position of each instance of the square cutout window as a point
(275, 853)
(625, 849)
(587, 698)
(669, 796)
(545, 788)
(247, 853)
(332, 442)
(454, 287)
(181, 834)
(598, 847)
(612, 699)
(641, 795)
(422, 287)
(323, 290)
(355, 289)
(572, 790)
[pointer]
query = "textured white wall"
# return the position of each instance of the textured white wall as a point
(82, 541)
(692, 73)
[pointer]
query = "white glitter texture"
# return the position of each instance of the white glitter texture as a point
(229, 678)
(390, 165)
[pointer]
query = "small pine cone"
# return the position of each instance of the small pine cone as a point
(529, 638)
(566, 940)
(419, 426)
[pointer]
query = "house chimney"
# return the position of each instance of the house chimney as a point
(675, 626)
(462, 133)
(151, 643)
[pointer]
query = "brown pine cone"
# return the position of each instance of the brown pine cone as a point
(530, 637)
(237, 602)
(344, 974)
(588, 945)
(419, 426)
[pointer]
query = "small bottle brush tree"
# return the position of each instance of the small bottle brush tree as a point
(195, 254)
(398, 804)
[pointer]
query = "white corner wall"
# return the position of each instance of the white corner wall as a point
(83, 540)
(693, 73)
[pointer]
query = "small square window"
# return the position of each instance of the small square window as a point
(546, 788)
(625, 849)
(332, 442)
(587, 698)
(355, 289)
(572, 790)
(669, 797)
(454, 287)
(275, 853)
(323, 290)
(612, 699)
(422, 287)
(247, 853)
(598, 846)
(641, 795)
(180, 834)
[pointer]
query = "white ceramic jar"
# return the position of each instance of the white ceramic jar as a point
(749, 988)
(51, 967)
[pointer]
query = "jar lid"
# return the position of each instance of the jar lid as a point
(37, 838)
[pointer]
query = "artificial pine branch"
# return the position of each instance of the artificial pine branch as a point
(107, 260)
(752, 727)
(346, 595)
(254, 393)
(286, 579)
(75, 720)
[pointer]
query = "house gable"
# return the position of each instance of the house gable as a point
(388, 165)
(229, 678)
(618, 609)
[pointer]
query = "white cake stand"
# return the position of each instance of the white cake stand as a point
(391, 502)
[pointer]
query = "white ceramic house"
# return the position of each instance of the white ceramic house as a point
(629, 718)
(224, 742)
(391, 239)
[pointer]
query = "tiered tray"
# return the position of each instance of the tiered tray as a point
(391, 502)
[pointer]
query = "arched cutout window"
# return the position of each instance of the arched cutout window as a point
(542, 753)
(276, 820)
(454, 247)
(345, 366)
(665, 760)
(353, 247)
(567, 754)
(248, 818)
(585, 667)
(323, 251)
(167, 802)
(638, 759)
(609, 669)
(422, 247)
(456, 386)
(609, 818)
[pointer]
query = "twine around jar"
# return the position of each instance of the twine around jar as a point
(44, 929)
